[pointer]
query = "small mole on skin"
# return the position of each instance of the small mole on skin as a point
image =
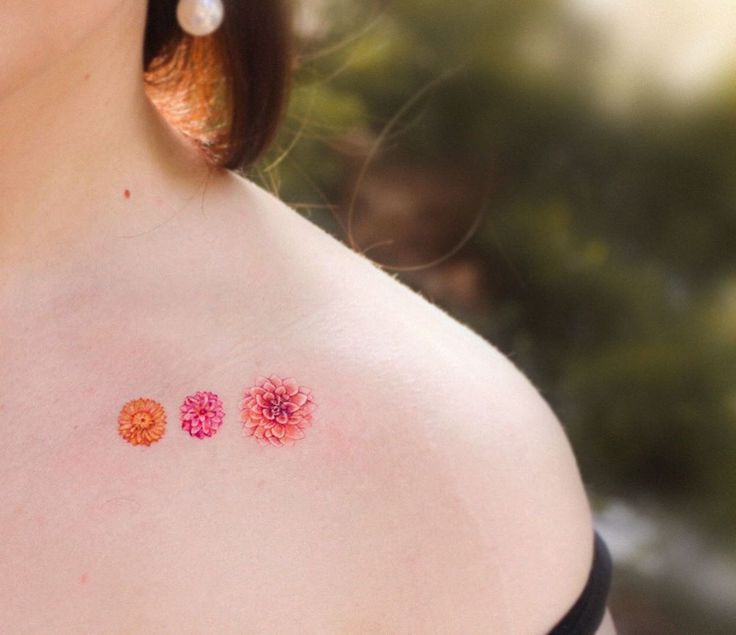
(83, 579)
(86, 76)
(127, 193)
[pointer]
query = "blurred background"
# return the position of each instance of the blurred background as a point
(560, 175)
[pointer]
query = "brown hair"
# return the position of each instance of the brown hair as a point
(227, 91)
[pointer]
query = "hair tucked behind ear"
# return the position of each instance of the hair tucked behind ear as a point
(227, 91)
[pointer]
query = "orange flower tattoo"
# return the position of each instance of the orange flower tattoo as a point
(276, 411)
(142, 421)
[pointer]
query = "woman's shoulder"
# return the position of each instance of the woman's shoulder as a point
(467, 454)
(435, 490)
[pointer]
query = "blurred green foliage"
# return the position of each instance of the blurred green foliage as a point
(610, 242)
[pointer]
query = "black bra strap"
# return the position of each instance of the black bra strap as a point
(586, 615)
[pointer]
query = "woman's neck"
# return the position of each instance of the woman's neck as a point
(85, 157)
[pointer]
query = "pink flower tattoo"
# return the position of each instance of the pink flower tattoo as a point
(201, 414)
(276, 411)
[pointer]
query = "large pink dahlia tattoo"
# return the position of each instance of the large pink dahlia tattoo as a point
(201, 414)
(276, 411)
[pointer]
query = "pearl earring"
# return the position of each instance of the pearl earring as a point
(199, 17)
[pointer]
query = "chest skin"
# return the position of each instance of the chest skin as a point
(185, 535)
(360, 527)
(193, 535)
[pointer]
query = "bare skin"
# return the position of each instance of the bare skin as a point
(435, 492)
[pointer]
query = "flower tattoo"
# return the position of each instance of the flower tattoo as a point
(202, 414)
(142, 421)
(276, 411)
